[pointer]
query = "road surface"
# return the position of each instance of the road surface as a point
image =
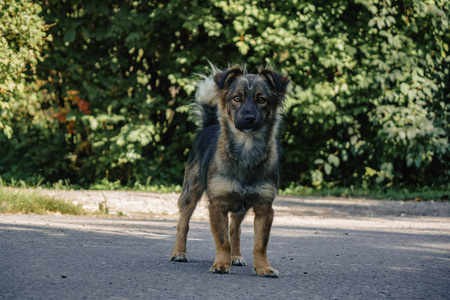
(324, 248)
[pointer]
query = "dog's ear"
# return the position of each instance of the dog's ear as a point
(279, 82)
(224, 79)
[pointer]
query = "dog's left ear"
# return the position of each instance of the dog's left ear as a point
(224, 79)
(278, 81)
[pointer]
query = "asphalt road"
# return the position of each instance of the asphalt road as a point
(393, 254)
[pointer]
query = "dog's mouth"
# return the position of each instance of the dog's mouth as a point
(247, 130)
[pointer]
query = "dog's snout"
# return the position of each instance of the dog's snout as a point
(248, 122)
(248, 118)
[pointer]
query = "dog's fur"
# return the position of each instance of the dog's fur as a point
(235, 160)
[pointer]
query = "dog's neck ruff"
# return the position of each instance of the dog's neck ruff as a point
(248, 150)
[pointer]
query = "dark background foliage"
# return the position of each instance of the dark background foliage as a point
(107, 84)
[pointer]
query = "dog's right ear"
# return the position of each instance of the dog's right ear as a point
(224, 79)
(278, 81)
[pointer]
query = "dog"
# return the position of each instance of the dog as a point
(235, 161)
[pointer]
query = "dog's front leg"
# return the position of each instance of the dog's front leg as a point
(235, 238)
(263, 223)
(218, 216)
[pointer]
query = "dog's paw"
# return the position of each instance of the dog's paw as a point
(220, 268)
(238, 261)
(179, 256)
(266, 272)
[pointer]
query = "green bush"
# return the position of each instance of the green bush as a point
(372, 93)
(32, 145)
(369, 105)
(21, 39)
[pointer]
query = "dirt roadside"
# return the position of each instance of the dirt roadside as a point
(164, 206)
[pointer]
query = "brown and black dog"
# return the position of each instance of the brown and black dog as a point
(235, 160)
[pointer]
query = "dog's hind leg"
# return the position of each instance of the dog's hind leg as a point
(187, 203)
(235, 239)
(263, 223)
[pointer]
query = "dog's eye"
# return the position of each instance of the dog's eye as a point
(237, 98)
(261, 100)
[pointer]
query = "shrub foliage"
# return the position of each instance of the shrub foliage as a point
(369, 105)
(21, 39)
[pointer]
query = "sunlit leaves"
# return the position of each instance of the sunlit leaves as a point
(369, 103)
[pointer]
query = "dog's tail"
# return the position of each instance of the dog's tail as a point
(205, 107)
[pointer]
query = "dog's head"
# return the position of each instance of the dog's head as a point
(250, 100)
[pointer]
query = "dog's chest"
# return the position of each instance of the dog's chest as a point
(237, 195)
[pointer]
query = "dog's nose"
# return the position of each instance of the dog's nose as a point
(249, 119)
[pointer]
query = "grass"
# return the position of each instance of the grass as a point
(102, 185)
(391, 193)
(26, 202)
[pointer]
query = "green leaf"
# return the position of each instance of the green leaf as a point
(409, 161)
(418, 161)
(411, 134)
(333, 159)
(317, 178)
(7, 130)
(327, 167)
(243, 47)
(69, 36)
